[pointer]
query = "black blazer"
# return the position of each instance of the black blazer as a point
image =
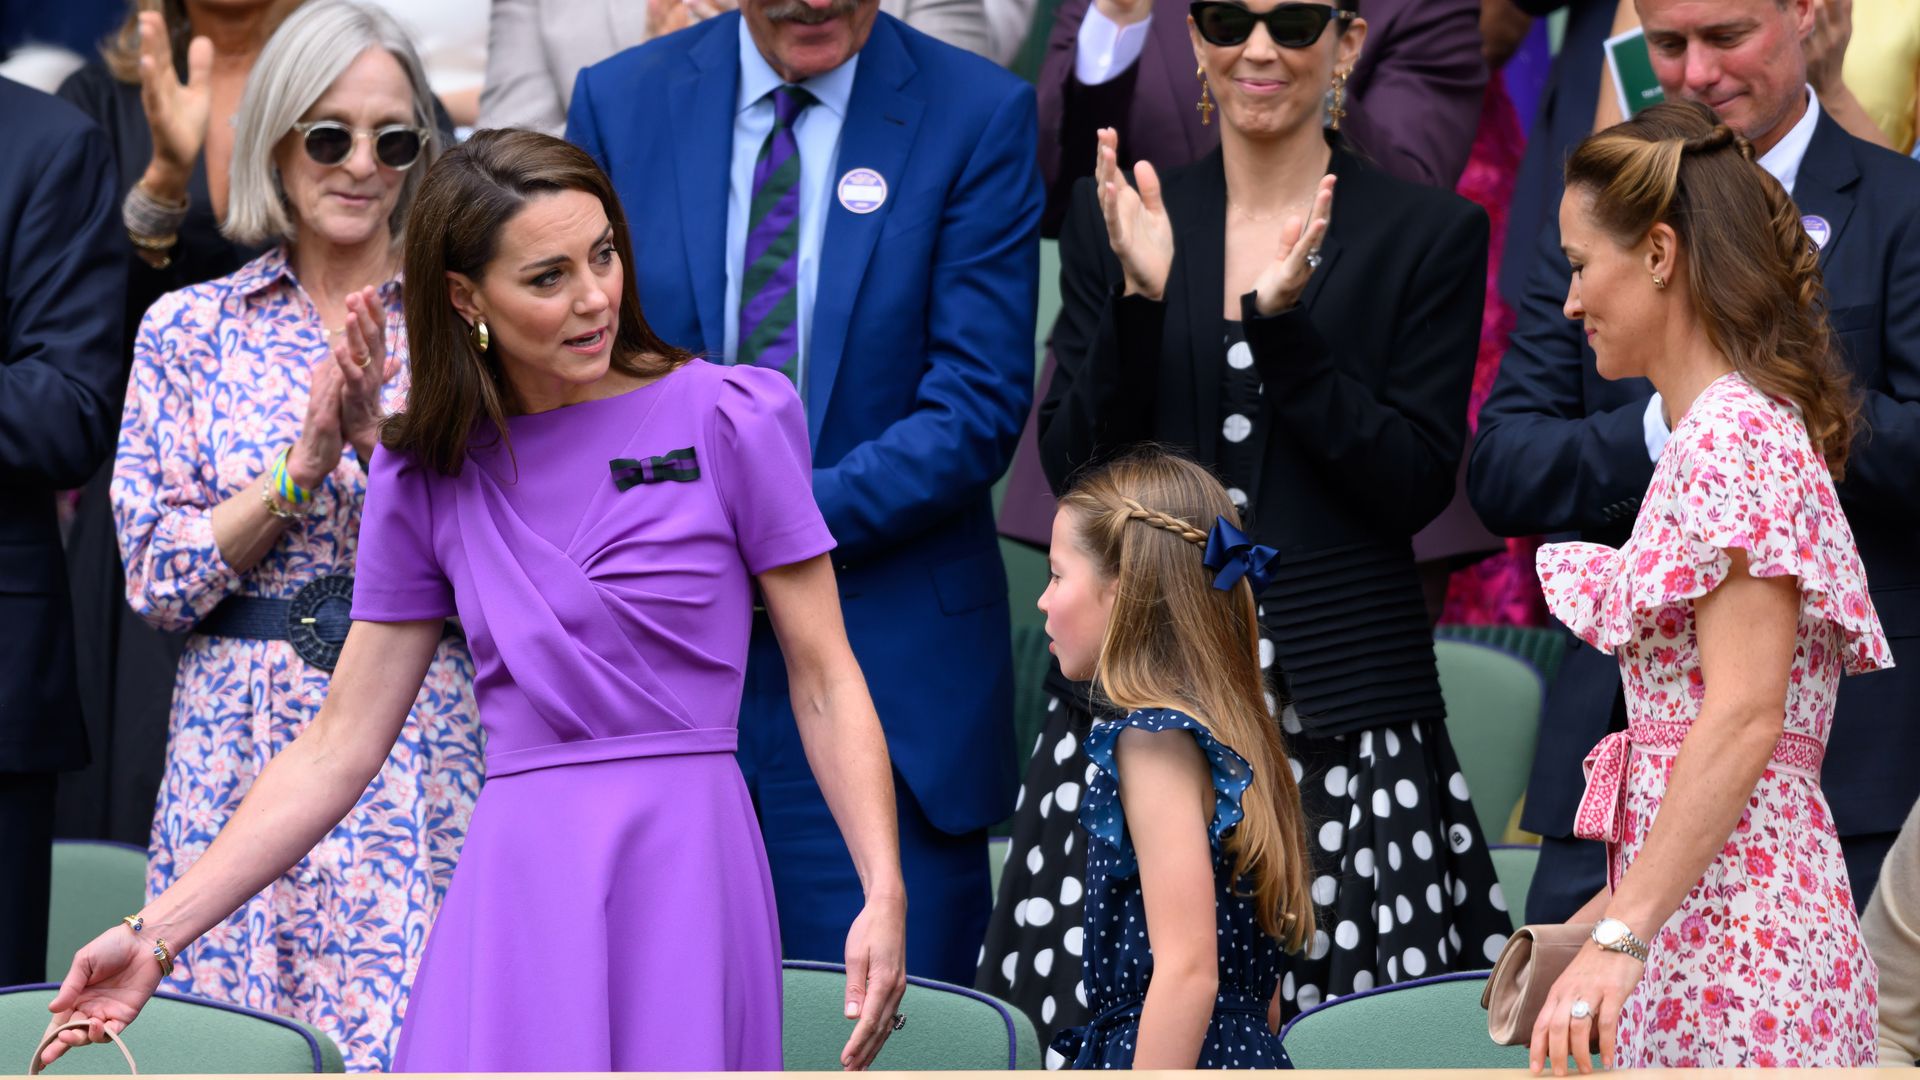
(1561, 450)
(61, 381)
(1365, 394)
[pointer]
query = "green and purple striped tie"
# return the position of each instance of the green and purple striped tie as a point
(769, 286)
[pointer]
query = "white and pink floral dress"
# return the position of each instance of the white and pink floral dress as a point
(1762, 965)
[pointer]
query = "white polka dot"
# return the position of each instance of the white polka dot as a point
(1492, 946)
(1366, 744)
(1382, 802)
(1046, 804)
(1010, 967)
(1459, 837)
(982, 958)
(1457, 785)
(1386, 920)
(1498, 897)
(1346, 935)
(1393, 969)
(1020, 913)
(1070, 835)
(1070, 891)
(1266, 649)
(1055, 1059)
(1323, 890)
(1064, 749)
(1331, 834)
(1020, 799)
(1414, 962)
(1046, 1011)
(1092, 771)
(1353, 816)
(1363, 862)
(1080, 993)
(1403, 908)
(1286, 986)
(1289, 719)
(1067, 796)
(1406, 794)
(1308, 997)
(1459, 893)
(1039, 911)
(1035, 860)
(1423, 845)
(1322, 944)
(1043, 963)
(1236, 428)
(1433, 898)
(1240, 356)
(1393, 743)
(1074, 938)
(1393, 854)
(1362, 980)
(1238, 497)
(1336, 780)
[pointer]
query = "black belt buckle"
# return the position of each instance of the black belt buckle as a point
(319, 617)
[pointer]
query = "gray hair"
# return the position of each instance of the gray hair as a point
(300, 63)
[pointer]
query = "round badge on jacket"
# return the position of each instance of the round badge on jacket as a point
(862, 191)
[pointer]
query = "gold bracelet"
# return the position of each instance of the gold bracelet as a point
(153, 243)
(164, 956)
(134, 923)
(272, 500)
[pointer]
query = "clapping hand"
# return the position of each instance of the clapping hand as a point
(1138, 228)
(1279, 286)
(176, 111)
(360, 354)
(1825, 45)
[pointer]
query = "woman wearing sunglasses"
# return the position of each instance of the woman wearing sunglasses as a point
(251, 414)
(1316, 351)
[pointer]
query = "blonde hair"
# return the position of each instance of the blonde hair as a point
(299, 64)
(1753, 272)
(1175, 641)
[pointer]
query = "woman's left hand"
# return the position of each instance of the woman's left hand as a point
(361, 352)
(876, 977)
(1602, 979)
(1285, 278)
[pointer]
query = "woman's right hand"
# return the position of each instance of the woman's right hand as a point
(1138, 228)
(317, 451)
(110, 980)
(176, 112)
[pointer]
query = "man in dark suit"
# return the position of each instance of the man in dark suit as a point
(62, 270)
(1561, 450)
(903, 306)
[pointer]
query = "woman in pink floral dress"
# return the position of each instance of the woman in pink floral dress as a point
(233, 381)
(1726, 935)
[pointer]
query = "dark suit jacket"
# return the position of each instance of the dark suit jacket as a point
(1562, 450)
(1413, 102)
(1365, 393)
(61, 379)
(921, 361)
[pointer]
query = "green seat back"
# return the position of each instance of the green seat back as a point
(948, 1027)
(1542, 646)
(1515, 864)
(1434, 1023)
(997, 849)
(174, 1034)
(1493, 703)
(94, 883)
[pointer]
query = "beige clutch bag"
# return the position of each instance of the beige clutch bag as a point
(1524, 975)
(33, 1068)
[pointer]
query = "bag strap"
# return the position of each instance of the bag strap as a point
(53, 1032)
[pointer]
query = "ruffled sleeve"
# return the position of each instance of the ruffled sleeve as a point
(1743, 475)
(1101, 814)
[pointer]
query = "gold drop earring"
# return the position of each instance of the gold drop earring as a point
(1205, 106)
(1337, 111)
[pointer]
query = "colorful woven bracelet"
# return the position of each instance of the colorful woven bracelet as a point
(290, 493)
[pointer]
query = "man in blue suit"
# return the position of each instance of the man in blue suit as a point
(62, 273)
(1561, 450)
(812, 185)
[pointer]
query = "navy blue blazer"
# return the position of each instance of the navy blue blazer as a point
(62, 270)
(920, 364)
(1562, 450)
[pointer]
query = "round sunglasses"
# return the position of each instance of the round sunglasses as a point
(1291, 26)
(330, 142)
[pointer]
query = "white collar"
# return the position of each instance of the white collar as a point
(1783, 161)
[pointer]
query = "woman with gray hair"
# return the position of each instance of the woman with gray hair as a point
(251, 414)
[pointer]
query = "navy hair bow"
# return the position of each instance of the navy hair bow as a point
(1235, 556)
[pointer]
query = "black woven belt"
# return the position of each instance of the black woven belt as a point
(315, 620)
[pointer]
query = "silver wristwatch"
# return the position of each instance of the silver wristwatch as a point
(1614, 936)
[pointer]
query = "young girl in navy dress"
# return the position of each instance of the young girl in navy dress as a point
(1196, 868)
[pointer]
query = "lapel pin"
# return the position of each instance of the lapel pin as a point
(1818, 229)
(862, 191)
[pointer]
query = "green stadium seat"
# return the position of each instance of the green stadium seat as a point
(1493, 703)
(95, 882)
(1433, 1023)
(948, 1027)
(1515, 864)
(174, 1034)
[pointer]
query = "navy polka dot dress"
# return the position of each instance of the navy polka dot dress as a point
(1118, 958)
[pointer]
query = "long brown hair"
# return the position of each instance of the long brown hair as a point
(469, 195)
(1753, 272)
(1175, 641)
(121, 49)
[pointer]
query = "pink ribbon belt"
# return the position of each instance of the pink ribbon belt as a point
(1602, 812)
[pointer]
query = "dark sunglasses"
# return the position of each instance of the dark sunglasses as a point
(1292, 26)
(330, 142)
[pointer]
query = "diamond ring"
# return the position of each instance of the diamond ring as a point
(1313, 260)
(899, 1021)
(1581, 1010)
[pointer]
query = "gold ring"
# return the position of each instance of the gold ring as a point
(364, 361)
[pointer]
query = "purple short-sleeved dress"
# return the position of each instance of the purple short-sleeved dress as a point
(612, 910)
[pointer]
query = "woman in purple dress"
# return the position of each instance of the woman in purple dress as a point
(598, 509)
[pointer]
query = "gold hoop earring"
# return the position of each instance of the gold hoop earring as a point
(481, 338)
(1659, 282)
(1205, 106)
(1337, 108)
